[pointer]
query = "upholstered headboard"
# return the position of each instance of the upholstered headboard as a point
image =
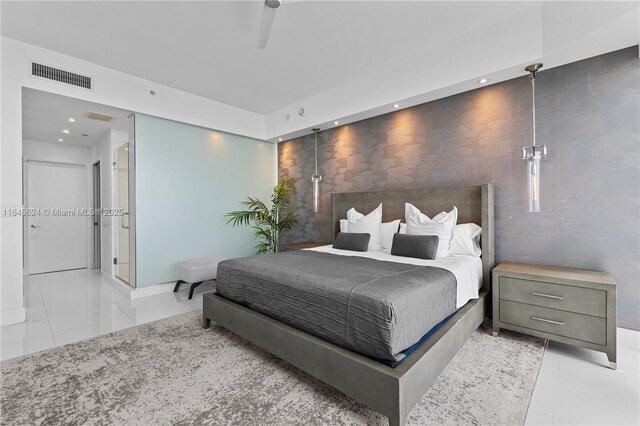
(474, 203)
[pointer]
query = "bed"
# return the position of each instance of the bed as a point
(343, 364)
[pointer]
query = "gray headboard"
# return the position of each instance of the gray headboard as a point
(474, 203)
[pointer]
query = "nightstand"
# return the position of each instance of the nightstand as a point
(565, 305)
(302, 245)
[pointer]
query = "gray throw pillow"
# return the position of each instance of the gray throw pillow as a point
(419, 246)
(352, 241)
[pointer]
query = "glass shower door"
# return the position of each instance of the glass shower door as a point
(123, 263)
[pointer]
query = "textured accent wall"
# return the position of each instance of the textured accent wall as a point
(589, 118)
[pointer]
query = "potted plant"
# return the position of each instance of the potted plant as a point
(267, 221)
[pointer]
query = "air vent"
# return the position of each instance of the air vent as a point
(55, 74)
(98, 116)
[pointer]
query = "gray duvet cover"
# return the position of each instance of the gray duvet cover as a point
(369, 306)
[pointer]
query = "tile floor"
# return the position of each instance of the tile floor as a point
(66, 307)
(574, 386)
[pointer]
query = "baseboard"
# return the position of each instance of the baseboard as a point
(12, 316)
(152, 290)
(136, 293)
(628, 338)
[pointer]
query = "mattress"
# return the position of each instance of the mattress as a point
(374, 307)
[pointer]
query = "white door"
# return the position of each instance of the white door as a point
(57, 240)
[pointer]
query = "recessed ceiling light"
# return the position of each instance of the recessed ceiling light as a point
(65, 131)
(73, 120)
(280, 139)
(483, 80)
(336, 123)
(60, 140)
(396, 106)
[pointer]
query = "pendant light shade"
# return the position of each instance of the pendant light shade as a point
(533, 154)
(316, 178)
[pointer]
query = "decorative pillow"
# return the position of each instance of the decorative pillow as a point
(441, 225)
(344, 225)
(352, 241)
(369, 224)
(388, 230)
(420, 246)
(466, 239)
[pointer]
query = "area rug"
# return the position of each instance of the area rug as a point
(173, 371)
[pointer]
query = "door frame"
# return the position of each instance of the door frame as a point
(132, 201)
(118, 221)
(25, 202)
(132, 206)
(96, 193)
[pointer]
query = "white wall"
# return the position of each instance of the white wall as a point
(59, 152)
(110, 88)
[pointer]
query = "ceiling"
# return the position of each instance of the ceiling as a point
(345, 60)
(45, 116)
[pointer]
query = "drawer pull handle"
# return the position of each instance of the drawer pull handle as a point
(546, 320)
(550, 296)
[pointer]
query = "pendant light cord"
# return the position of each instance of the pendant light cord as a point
(315, 131)
(533, 109)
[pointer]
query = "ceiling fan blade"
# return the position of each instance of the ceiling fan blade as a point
(266, 22)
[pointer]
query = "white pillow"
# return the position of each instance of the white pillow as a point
(388, 230)
(441, 225)
(370, 224)
(466, 239)
(412, 214)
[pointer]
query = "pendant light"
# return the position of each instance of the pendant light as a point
(316, 178)
(534, 153)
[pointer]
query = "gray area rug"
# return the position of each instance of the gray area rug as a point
(174, 372)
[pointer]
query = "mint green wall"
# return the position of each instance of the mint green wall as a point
(187, 178)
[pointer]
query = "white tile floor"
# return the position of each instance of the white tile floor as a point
(574, 386)
(66, 307)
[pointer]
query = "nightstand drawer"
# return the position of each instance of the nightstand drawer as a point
(556, 296)
(575, 326)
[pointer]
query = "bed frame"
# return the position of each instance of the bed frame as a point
(390, 391)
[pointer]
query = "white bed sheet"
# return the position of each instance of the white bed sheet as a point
(467, 269)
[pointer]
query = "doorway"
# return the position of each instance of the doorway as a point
(64, 137)
(56, 229)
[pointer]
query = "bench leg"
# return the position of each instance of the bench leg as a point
(175, 289)
(193, 287)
